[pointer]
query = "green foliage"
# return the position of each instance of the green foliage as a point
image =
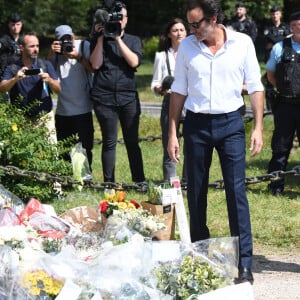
(25, 144)
(150, 46)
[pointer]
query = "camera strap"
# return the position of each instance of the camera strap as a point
(168, 63)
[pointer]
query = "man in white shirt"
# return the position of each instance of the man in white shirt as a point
(211, 66)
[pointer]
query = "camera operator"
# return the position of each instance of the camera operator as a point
(70, 58)
(114, 93)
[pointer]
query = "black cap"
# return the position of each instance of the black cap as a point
(275, 8)
(240, 4)
(14, 18)
(295, 16)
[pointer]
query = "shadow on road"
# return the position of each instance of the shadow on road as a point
(263, 264)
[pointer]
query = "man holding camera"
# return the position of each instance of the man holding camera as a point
(70, 58)
(31, 79)
(115, 56)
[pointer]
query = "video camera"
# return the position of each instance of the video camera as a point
(109, 17)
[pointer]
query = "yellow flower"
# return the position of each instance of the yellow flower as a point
(23, 163)
(122, 205)
(39, 281)
(131, 206)
(14, 127)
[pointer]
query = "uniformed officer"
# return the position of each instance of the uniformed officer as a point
(274, 32)
(9, 48)
(241, 23)
(283, 71)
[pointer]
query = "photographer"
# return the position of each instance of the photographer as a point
(70, 58)
(115, 59)
(31, 79)
(164, 65)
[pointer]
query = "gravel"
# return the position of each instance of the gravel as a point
(276, 276)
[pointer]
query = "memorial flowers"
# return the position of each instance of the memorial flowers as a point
(115, 200)
(41, 284)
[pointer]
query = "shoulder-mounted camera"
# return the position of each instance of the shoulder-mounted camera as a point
(109, 18)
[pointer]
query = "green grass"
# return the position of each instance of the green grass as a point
(275, 220)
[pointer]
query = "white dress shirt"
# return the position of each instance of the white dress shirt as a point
(213, 83)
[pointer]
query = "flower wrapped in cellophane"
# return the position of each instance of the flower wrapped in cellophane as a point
(124, 225)
(185, 271)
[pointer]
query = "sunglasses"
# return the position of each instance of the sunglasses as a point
(196, 25)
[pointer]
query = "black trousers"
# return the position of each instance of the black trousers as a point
(286, 124)
(129, 117)
(82, 125)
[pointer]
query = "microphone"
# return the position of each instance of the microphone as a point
(101, 16)
(109, 4)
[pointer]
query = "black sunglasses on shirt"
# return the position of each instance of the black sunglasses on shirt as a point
(196, 25)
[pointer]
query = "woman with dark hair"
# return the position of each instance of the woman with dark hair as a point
(164, 65)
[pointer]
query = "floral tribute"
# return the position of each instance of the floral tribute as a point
(40, 284)
(115, 200)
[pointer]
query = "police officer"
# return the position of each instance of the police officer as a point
(274, 32)
(9, 48)
(241, 23)
(283, 71)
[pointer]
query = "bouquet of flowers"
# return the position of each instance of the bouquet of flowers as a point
(136, 221)
(13, 236)
(188, 276)
(41, 285)
(115, 200)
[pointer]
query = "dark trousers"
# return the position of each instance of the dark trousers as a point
(169, 166)
(286, 124)
(82, 125)
(225, 132)
(108, 118)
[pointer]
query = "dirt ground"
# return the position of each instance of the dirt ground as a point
(276, 276)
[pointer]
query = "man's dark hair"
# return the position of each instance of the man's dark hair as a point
(211, 8)
(14, 18)
(21, 40)
(275, 8)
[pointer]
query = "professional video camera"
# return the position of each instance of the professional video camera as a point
(109, 17)
(66, 45)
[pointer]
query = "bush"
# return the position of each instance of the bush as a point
(150, 46)
(24, 144)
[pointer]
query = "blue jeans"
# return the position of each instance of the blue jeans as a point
(129, 117)
(225, 132)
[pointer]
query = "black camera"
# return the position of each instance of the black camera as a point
(112, 28)
(66, 45)
(109, 17)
